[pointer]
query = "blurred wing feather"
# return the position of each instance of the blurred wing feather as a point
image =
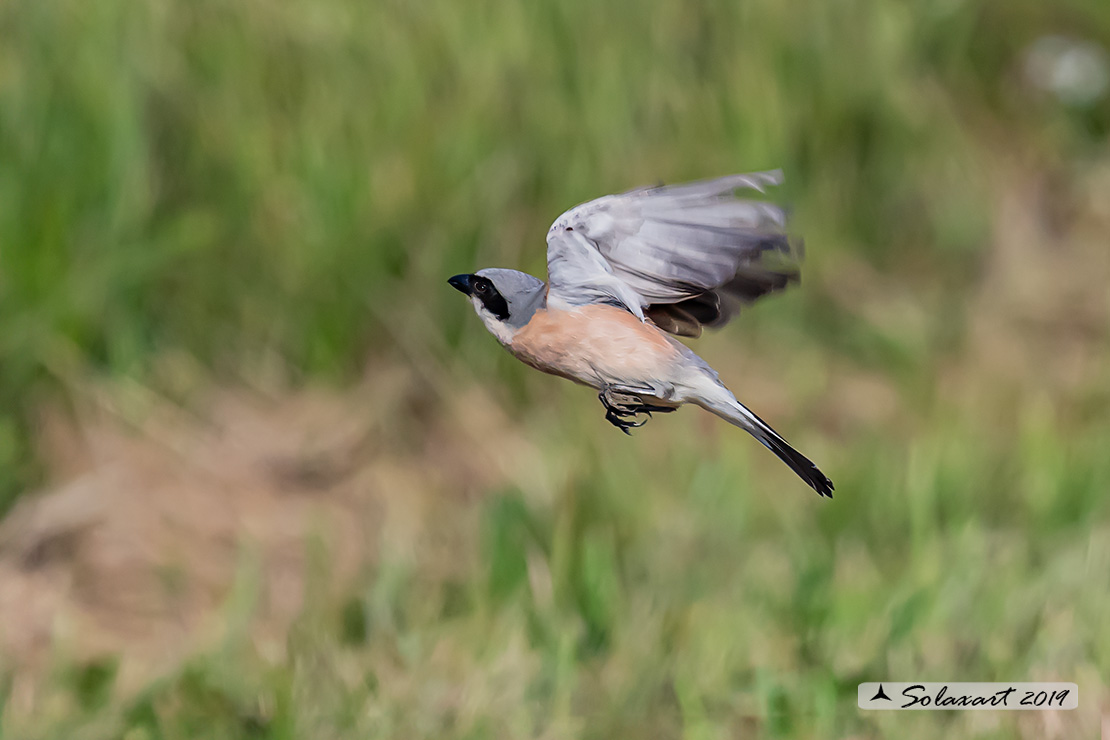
(685, 256)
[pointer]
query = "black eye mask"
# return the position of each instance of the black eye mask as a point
(493, 301)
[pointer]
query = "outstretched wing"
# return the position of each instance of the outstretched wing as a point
(685, 256)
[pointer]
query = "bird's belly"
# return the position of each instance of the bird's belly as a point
(595, 345)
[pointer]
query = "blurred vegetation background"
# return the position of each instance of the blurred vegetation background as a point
(211, 199)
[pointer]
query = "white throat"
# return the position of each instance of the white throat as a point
(502, 331)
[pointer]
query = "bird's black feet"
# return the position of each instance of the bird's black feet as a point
(622, 407)
(624, 417)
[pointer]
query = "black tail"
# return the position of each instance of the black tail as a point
(798, 462)
(737, 413)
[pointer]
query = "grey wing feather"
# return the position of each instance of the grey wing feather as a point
(578, 274)
(690, 254)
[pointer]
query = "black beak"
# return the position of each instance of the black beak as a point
(461, 283)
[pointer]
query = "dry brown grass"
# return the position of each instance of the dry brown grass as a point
(156, 510)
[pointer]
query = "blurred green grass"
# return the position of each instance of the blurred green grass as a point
(282, 187)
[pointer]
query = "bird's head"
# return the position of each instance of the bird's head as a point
(504, 299)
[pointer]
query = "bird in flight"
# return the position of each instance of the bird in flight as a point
(627, 273)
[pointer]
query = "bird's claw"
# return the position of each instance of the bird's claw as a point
(621, 414)
(622, 418)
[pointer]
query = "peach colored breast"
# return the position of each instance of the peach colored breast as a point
(594, 344)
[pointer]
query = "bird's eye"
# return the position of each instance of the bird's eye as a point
(481, 288)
